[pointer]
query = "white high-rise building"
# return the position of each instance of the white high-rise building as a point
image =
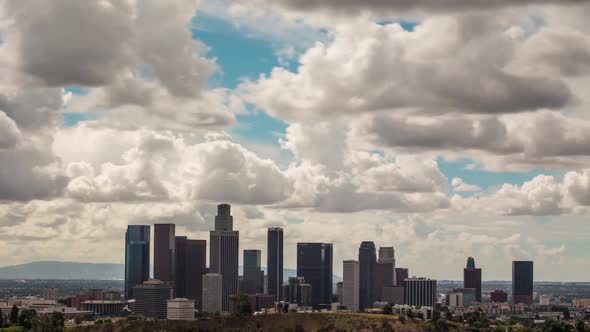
(181, 309)
(350, 287)
(212, 293)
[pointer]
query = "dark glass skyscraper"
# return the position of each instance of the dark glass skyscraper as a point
(522, 282)
(224, 253)
(164, 252)
(137, 257)
(253, 279)
(274, 261)
(472, 278)
(367, 263)
(382, 278)
(314, 264)
(191, 265)
(400, 275)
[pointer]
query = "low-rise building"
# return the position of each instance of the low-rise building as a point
(104, 308)
(181, 309)
(151, 298)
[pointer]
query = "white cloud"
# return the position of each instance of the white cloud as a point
(460, 186)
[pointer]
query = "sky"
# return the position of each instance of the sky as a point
(446, 129)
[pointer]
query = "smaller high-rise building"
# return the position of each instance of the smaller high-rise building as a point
(339, 287)
(472, 278)
(387, 255)
(314, 264)
(151, 298)
(212, 293)
(393, 295)
(522, 282)
(498, 296)
(401, 274)
(191, 259)
(259, 302)
(420, 292)
(297, 291)
(350, 285)
(253, 279)
(468, 296)
(181, 309)
(384, 275)
(49, 293)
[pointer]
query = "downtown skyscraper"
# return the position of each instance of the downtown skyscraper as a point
(522, 282)
(472, 278)
(274, 261)
(314, 264)
(224, 253)
(191, 265)
(137, 257)
(367, 265)
(164, 252)
(253, 278)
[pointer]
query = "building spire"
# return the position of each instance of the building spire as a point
(470, 263)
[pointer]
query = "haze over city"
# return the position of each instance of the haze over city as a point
(446, 131)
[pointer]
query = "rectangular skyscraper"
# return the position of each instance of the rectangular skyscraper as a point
(164, 252)
(387, 255)
(191, 265)
(350, 287)
(137, 257)
(383, 277)
(367, 263)
(224, 253)
(274, 261)
(314, 264)
(253, 280)
(472, 278)
(522, 282)
(212, 293)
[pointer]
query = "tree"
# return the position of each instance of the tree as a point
(14, 314)
(580, 327)
(26, 318)
(241, 304)
(387, 309)
(1, 320)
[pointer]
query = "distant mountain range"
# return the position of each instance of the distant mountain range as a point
(88, 271)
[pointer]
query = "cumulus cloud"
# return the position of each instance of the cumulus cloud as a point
(447, 64)
(460, 186)
(9, 133)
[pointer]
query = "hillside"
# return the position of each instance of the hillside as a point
(63, 270)
(282, 322)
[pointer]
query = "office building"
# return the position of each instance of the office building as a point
(544, 299)
(393, 295)
(383, 277)
(472, 278)
(401, 274)
(224, 253)
(387, 255)
(350, 285)
(49, 293)
(297, 291)
(455, 299)
(191, 265)
(498, 296)
(367, 262)
(253, 279)
(137, 257)
(104, 307)
(468, 296)
(212, 293)
(164, 252)
(339, 287)
(181, 309)
(274, 262)
(151, 298)
(522, 282)
(314, 263)
(420, 292)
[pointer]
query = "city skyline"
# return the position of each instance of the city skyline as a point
(447, 131)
